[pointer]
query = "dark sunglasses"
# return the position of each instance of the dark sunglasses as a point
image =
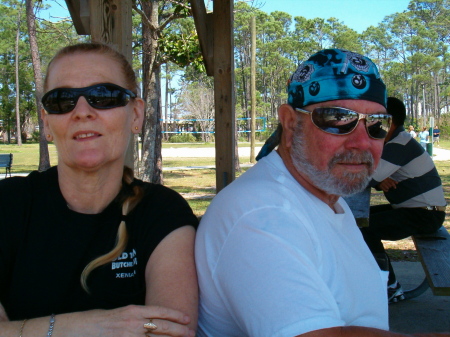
(341, 121)
(99, 96)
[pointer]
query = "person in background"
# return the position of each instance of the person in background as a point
(423, 137)
(86, 249)
(411, 184)
(436, 134)
(278, 251)
(412, 132)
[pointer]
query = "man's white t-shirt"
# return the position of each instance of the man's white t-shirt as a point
(273, 260)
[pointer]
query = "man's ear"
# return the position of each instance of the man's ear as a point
(288, 119)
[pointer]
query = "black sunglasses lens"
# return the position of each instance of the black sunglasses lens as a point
(102, 96)
(60, 101)
(378, 125)
(334, 120)
(107, 97)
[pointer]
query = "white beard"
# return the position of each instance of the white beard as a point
(324, 180)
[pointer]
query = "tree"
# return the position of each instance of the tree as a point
(18, 129)
(44, 158)
(159, 45)
(197, 102)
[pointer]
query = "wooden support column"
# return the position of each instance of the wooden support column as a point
(224, 98)
(107, 21)
(110, 22)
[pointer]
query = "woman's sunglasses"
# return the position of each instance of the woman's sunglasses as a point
(99, 96)
(341, 121)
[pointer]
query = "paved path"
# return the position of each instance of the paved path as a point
(440, 154)
(209, 152)
(204, 152)
(425, 313)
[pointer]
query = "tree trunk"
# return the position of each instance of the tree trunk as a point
(237, 165)
(253, 91)
(166, 105)
(44, 159)
(18, 129)
(151, 160)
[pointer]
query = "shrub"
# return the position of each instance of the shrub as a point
(182, 138)
(35, 137)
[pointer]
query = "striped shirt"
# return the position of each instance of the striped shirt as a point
(405, 161)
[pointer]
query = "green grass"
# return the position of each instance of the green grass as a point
(26, 157)
(444, 143)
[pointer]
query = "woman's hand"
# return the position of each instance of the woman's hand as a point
(125, 322)
(121, 322)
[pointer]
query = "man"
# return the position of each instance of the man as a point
(436, 134)
(412, 132)
(278, 251)
(407, 176)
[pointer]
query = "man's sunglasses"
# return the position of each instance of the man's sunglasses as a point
(99, 96)
(341, 121)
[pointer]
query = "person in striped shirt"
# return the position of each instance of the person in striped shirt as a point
(410, 182)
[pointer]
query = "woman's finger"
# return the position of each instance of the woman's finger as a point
(161, 327)
(153, 312)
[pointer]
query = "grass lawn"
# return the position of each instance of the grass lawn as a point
(198, 186)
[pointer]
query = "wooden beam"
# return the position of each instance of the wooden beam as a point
(79, 11)
(224, 99)
(110, 22)
(204, 27)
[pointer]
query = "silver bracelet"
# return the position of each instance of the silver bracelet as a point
(21, 328)
(52, 324)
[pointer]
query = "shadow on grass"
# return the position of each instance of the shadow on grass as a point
(409, 255)
(191, 181)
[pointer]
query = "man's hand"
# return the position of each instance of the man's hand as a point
(387, 184)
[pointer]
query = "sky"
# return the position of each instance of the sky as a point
(355, 14)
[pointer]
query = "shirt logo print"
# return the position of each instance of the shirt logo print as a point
(125, 261)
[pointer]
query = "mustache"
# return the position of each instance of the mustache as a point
(352, 157)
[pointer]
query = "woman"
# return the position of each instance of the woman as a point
(423, 137)
(107, 254)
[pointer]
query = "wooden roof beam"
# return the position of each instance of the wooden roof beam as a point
(80, 13)
(204, 27)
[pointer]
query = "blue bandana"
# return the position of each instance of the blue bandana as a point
(333, 74)
(328, 75)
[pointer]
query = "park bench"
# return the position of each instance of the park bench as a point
(433, 250)
(6, 162)
(434, 253)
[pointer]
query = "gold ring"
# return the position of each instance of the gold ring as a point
(150, 325)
